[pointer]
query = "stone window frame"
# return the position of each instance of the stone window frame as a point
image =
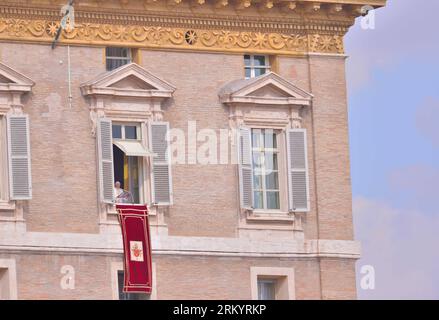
(146, 105)
(284, 276)
(144, 192)
(134, 53)
(12, 92)
(145, 167)
(10, 266)
(242, 101)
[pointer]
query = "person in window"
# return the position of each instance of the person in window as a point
(118, 191)
(121, 195)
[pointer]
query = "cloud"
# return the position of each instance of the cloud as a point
(427, 116)
(403, 30)
(401, 246)
(415, 187)
(399, 228)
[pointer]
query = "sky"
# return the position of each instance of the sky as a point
(393, 90)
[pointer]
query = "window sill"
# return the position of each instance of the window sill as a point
(270, 216)
(7, 205)
(111, 210)
(11, 212)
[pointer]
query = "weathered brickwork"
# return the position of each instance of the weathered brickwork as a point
(332, 168)
(62, 147)
(39, 276)
(205, 196)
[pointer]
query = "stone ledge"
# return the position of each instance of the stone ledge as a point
(105, 244)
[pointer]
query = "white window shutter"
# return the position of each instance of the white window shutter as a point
(161, 163)
(245, 168)
(20, 178)
(298, 181)
(105, 151)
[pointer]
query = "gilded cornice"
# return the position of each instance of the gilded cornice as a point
(297, 31)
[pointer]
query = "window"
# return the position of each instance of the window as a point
(256, 65)
(266, 289)
(8, 279)
(117, 57)
(15, 162)
(128, 155)
(117, 283)
(265, 156)
(4, 284)
(127, 295)
(272, 283)
(126, 131)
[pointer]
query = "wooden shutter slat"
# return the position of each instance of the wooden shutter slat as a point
(20, 177)
(106, 174)
(161, 163)
(298, 184)
(245, 168)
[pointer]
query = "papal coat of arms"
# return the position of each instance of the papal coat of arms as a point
(136, 250)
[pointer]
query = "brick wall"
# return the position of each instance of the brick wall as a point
(205, 197)
(62, 146)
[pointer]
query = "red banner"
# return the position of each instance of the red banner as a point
(137, 247)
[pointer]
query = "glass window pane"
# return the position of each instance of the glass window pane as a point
(248, 73)
(266, 290)
(273, 200)
(117, 131)
(116, 63)
(272, 181)
(270, 139)
(247, 60)
(258, 160)
(117, 52)
(258, 200)
(131, 132)
(256, 138)
(259, 61)
(257, 181)
(259, 71)
(271, 162)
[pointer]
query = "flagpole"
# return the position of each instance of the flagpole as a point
(58, 32)
(69, 76)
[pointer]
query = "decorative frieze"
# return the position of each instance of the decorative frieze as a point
(171, 38)
(309, 29)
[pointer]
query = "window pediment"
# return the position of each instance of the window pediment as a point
(13, 81)
(268, 89)
(130, 80)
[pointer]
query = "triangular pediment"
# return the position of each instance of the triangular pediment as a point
(269, 88)
(129, 80)
(133, 82)
(3, 79)
(11, 80)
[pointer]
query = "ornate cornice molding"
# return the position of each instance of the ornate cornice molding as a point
(298, 33)
(171, 38)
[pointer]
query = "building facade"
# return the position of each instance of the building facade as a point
(227, 117)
